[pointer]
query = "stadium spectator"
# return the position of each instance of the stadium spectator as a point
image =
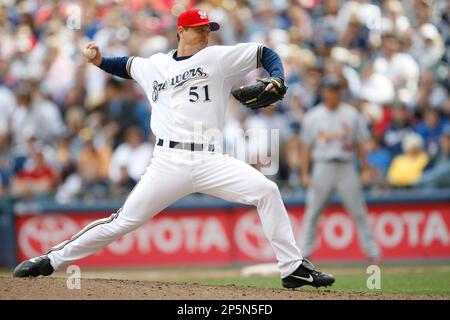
(63, 156)
(36, 115)
(375, 87)
(437, 174)
(378, 159)
(7, 106)
(428, 48)
(406, 169)
(130, 159)
(400, 125)
(125, 110)
(356, 35)
(70, 185)
(36, 178)
(93, 162)
(400, 67)
(431, 129)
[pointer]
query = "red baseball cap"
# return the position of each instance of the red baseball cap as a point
(196, 18)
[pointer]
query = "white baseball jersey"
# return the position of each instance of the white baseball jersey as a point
(334, 134)
(191, 95)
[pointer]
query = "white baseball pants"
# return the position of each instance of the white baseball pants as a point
(174, 174)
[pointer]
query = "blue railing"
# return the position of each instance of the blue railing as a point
(201, 201)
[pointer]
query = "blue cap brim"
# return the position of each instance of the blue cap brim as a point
(214, 26)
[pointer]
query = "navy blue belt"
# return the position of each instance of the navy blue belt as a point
(186, 145)
(338, 160)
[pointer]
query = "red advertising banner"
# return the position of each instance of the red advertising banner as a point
(186, 237)
(217, 236)
(403, 231)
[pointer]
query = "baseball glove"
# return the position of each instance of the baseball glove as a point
(254, 95)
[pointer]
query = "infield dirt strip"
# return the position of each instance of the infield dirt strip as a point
(104, 289)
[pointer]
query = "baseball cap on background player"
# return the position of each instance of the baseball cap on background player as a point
(331, 82)
(196, 18)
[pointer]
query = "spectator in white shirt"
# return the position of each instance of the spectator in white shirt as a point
(399, 67)
(36, 115)
(131, 157)
(7, 105)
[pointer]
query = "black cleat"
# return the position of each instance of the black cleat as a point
(39, 266)
(306, 275)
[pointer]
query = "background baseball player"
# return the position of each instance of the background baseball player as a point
(188, 89)
(332, 133)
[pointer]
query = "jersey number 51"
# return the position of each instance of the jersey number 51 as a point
(194, 96)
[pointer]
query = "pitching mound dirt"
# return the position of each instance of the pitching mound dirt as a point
(56, 289)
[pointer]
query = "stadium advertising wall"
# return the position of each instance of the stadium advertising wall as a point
(234, 235)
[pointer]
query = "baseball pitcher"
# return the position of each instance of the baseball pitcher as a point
(188, 89)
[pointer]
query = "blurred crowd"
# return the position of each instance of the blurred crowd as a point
(69, 130)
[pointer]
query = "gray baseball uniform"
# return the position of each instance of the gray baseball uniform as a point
(333, 136)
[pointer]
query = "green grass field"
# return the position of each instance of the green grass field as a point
(395, 279)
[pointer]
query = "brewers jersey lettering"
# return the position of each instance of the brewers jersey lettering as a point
(192, 91)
